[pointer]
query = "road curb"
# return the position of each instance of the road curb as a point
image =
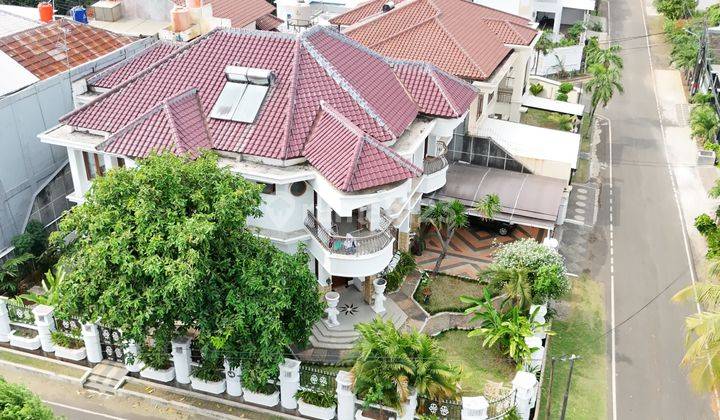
(58, 376)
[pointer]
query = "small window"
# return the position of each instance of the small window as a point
(298, 188)
(268, 189)
(94, 166)
(121, 162)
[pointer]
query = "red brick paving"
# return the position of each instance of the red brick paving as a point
(470, 249)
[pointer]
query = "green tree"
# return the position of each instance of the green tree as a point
(166, 244)
(445, 218)
(602, 86)
(684, 39)
(18, 403)
(704, 123)
(676, 9)
(489, 206)
(606, 57)
(514, 283)
(33, 241)
(702, 355)
(389, 364)
(10, 273)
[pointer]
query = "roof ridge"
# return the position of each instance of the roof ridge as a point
(509, 26)
(373, 18)
(343, 83)
(173, 128)
(353, 167)
(443, 90)
(292, 94)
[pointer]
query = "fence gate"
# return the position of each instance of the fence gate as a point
(111, 343)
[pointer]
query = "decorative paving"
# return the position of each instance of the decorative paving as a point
(470, 249)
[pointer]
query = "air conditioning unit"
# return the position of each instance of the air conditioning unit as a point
(107, 10)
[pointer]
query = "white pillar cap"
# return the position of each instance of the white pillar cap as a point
(524, 380)
(533, 341)
(42, 310)
(475, 403)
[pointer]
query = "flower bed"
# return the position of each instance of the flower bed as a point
(316, 404)
(269, 398)
(160, 375)
(68, 347)
(25, 338)
(446, 292)
(211, 387)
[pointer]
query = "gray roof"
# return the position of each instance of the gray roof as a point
(527, 199)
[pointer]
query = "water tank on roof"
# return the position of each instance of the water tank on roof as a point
(79, 14)
(193, 4)
(180, 17)
(46, 12)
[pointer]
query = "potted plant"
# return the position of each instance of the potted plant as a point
(208, 377)
(316, 404)
(68, 347)
(426, 284)
(25, 338)
(261, 393)
(156, 365)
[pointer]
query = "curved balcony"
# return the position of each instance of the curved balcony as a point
(435, 174)
(357, 254)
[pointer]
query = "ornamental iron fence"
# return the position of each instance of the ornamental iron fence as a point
(20, 313)
(441, 409)
(111, 344)
(195, 352)
(316, 379)
(497, 409)
(71, 326)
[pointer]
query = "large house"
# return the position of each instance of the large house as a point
(344, 141)
(40, 64)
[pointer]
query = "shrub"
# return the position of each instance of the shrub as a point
(550, 283)
(17, 402)
(705, 224)
(155, 358)
(64, 340)
(405, 265)
(596, 27)
(575, 31)
(701, 98)
(562, 97)
(210, 371)
(536, 88)
(318, 398)
(33, 241)
(565, 87)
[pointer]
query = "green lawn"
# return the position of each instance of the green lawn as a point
(539, 118)
(585, 133)
(582, 173)
(446, 292)
(47, 365)
(579, 330)
(479, 364)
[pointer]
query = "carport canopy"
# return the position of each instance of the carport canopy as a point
(525, 199)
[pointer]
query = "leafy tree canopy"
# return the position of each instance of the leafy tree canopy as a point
(676, 9)
(166, 244)
(17, 402)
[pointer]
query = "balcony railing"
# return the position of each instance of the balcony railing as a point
(434, 164)
(365, 243)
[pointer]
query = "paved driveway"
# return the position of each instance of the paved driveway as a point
(470, 249)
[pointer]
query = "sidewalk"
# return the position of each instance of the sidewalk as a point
(693, 181)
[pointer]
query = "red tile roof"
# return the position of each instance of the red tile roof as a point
(268, 22)
(42, 51)
(319, 66)
(436, 92)
(240, 12)
(121, 72)
(458, 36)
(177, 125)
(357, 161)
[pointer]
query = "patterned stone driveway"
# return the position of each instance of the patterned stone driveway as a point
(470, 249)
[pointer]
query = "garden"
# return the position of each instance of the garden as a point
(549, 119)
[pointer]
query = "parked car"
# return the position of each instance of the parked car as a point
(494, 226)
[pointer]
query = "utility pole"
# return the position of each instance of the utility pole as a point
(550, 388)
(567, 386)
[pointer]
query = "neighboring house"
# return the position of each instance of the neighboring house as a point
(492, 49)
(706, 75)
(39, 66)
(150, 17)
(344, 141)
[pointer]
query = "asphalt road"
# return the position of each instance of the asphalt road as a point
(648, 253)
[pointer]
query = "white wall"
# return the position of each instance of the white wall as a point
(283, 211)
(570, 57)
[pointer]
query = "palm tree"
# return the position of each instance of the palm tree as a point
(489, 206)
(704, 123)
(606, 57)
(603, 85)
(51, 286)
(565, 122)
(446, 218)
(513, 282)
(433, 375)
(702, 356)
(10, 272)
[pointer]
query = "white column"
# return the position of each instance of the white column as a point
(558, 19)
(77, 170)
(378, 297)
(409, 408)
(233, 380)
(91, 337)
(45, 324)
(324, 213)
(524, 385)
(132, 361)
(373, 216)
(323, 276)
(289, 383)
(181, 359)
(129, 163)
(345, 396)
(110, 162)
(537, 355)
(474, 408)
(4, 320)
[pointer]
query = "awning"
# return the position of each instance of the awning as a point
(562, 107)
(525, 199)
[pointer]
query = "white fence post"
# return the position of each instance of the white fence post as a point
(474, 408)
(345, 396)
(132, 352)
(410, 407)
(537, 356)
(181, 359)
(289, 383)
(4, 320)
(45, 324)
(540, 319)
(91, 337)
(524, 385)
(233, 380)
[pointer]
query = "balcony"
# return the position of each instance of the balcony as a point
(435, 174)
(358, 253)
